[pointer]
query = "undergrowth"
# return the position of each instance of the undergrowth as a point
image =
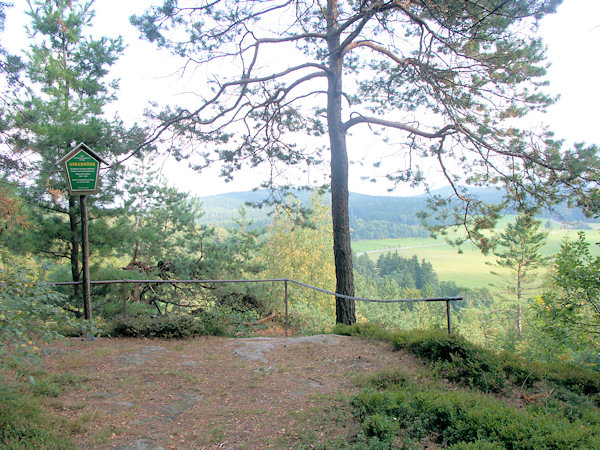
(489, 401)
(461, 417)
(169, 327)
(216, 322)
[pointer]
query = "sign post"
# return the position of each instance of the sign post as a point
(82, 168)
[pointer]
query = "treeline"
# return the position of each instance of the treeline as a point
(539, 313)
(381, 229)
(395, 277)
(404, 273)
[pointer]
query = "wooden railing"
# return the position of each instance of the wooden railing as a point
(285, 281)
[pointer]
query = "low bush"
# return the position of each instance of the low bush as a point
(114, 309)
(563, 412)
(380, 426)
(455, 357)
(574, 387)
(30, 312)
(462, 419)
(520, 372)
(575, 378)
(168, 327)
(466, 363)
(394, 378)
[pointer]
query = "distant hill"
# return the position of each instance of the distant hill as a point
(371, 217)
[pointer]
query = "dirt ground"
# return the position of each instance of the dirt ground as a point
(212, 392)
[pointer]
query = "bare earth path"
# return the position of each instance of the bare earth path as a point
(211, 392)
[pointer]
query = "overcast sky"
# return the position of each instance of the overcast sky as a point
(572, 36)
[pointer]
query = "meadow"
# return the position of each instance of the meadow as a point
(468, 267)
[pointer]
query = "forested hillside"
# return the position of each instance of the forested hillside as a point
(371, 217)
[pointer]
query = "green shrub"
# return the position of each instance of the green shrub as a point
(520, 372)
(381, 426)
(455, 357)
(559, 374)
(435, 345)
(479, 444)
(574, 389)
(177, 327)
(370, 402)
(388, 379)
(575, 378)
(458, 418)
(114, 309)
(565, 416)
(30, 311)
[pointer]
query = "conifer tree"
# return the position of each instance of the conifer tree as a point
(518, 252)
(65, 88)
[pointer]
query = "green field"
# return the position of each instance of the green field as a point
(468, 268)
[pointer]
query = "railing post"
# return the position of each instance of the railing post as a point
(124, 299)
(448, 316)
(286, 307)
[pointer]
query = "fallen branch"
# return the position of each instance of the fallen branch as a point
(532, 399)
(263, 320)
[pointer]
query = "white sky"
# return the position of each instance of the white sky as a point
(572, 36)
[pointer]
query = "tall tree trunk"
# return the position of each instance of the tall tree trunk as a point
(345, 308)
(519, 322)
(519, 295)
(75, 242)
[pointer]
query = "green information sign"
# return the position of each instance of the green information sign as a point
(82, 171)
(82, 167)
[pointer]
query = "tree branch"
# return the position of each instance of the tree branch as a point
(380, 49)
(442, 132)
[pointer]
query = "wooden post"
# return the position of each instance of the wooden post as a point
(124, 299)
(286, 308)
(87, 304)
(448, 316)
(82, 170)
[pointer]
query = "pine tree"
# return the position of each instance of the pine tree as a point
(66, 88)
(518, 253)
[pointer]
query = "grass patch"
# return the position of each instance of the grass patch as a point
(25, 425)
(28, 401)
(326, 427)
(55, 384)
